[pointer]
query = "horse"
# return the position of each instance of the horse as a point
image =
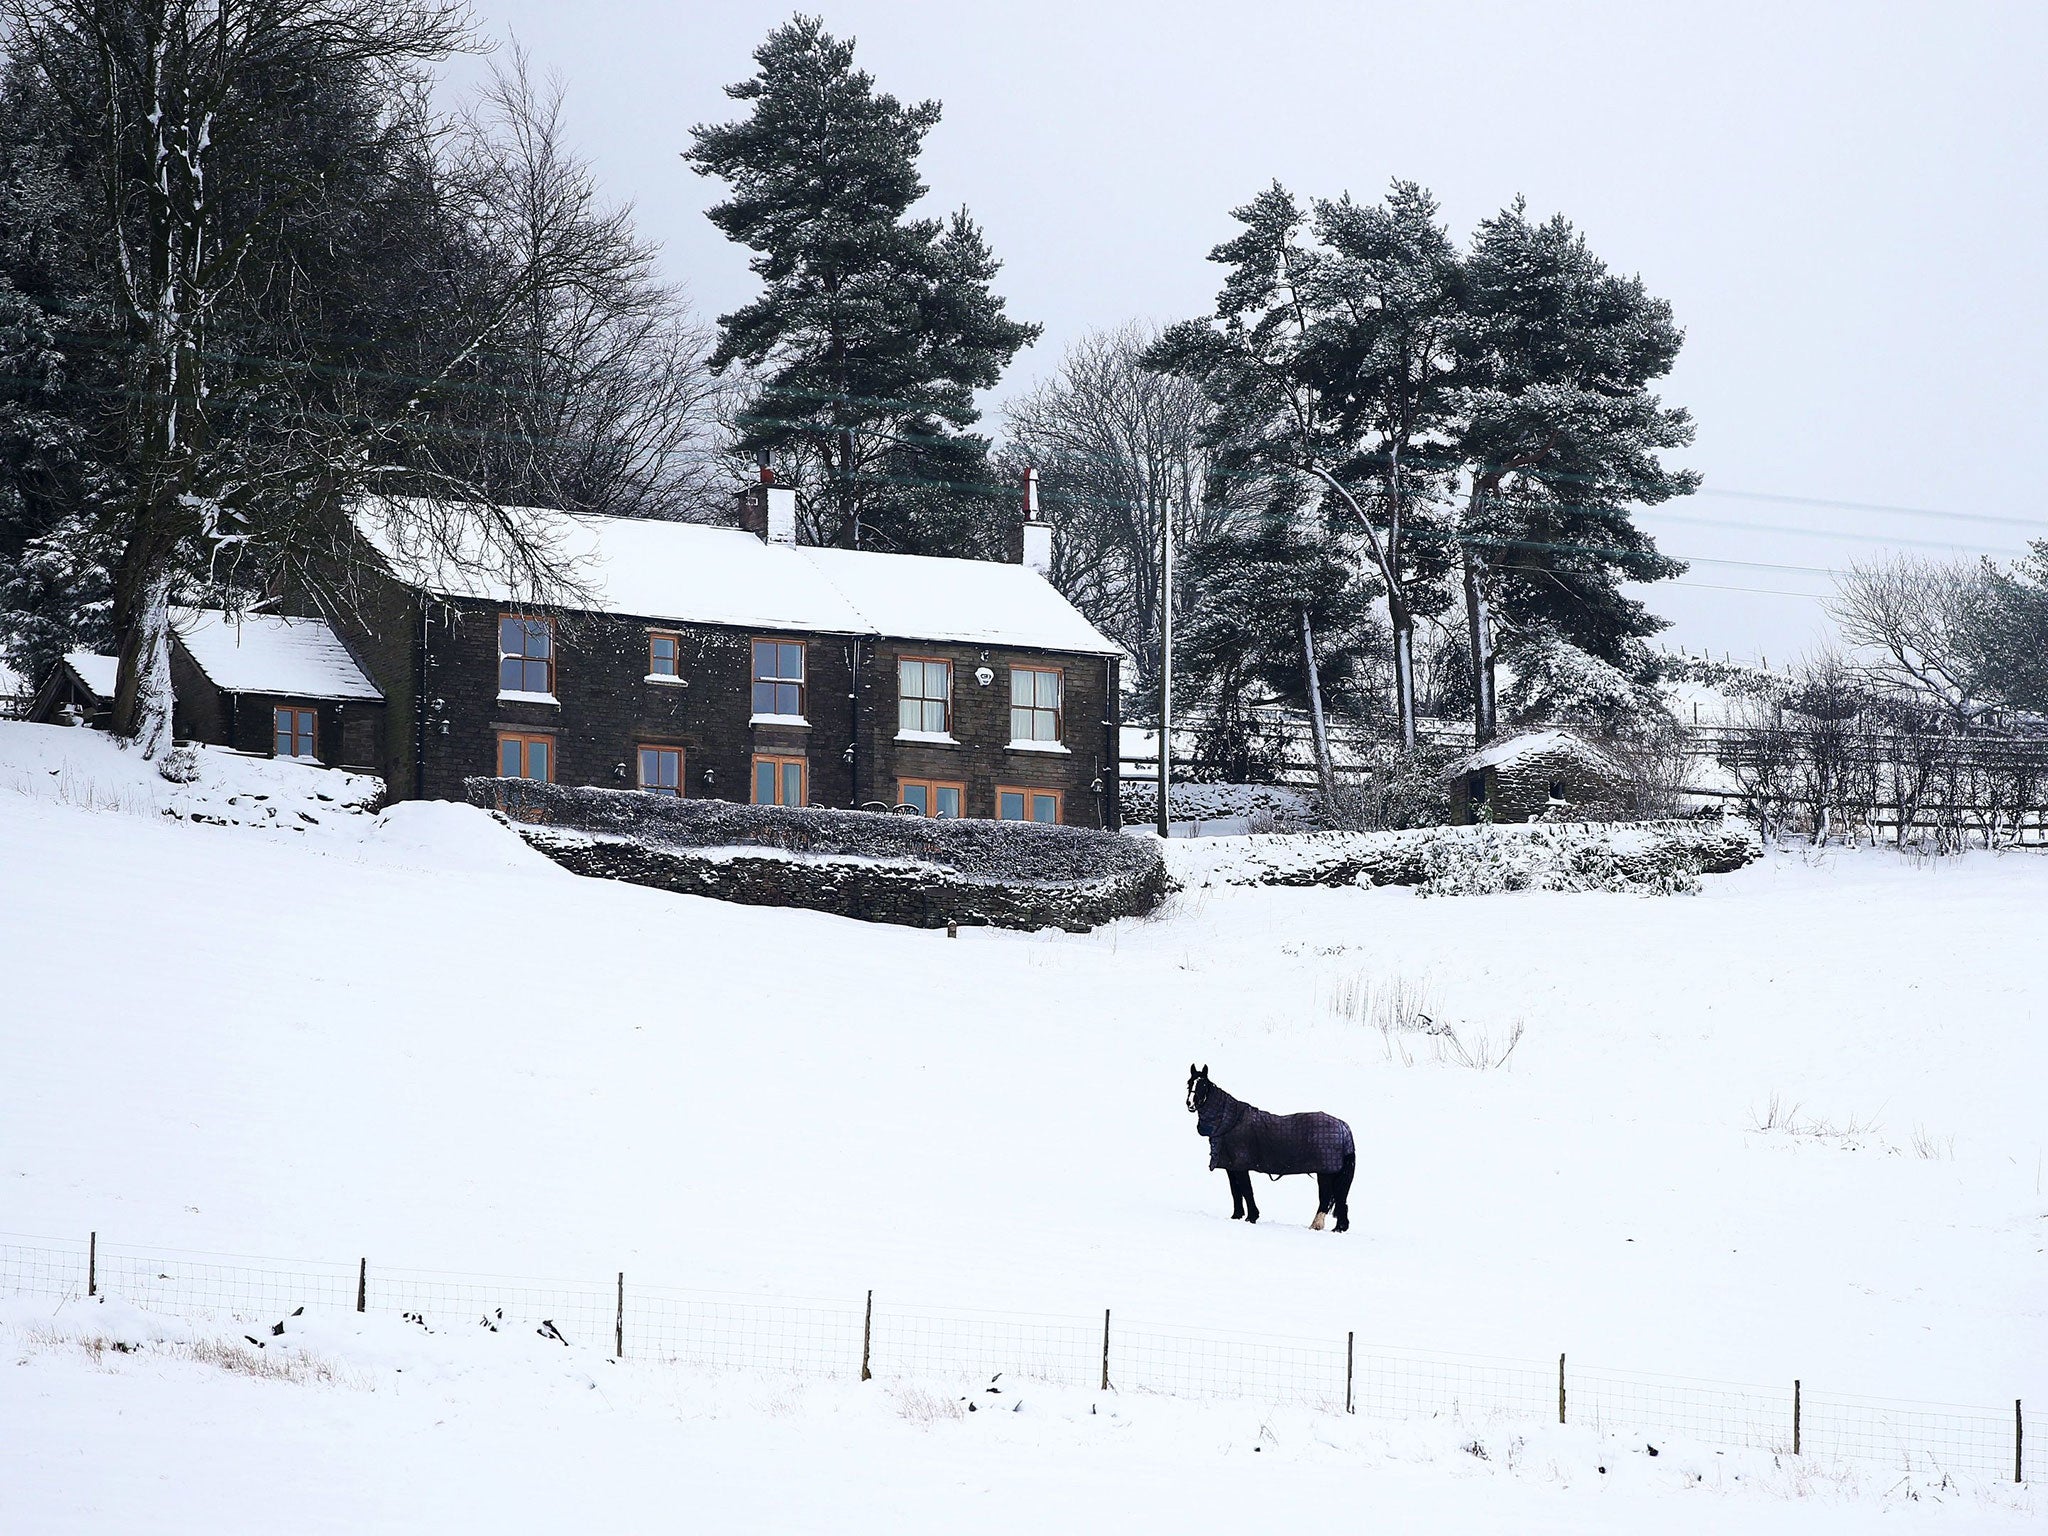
(1244, 1141)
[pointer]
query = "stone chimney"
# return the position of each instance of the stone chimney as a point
(1031, 541)
(768, 510)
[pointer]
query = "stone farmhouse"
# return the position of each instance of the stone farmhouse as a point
(736, 664)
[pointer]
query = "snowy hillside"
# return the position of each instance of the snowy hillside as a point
(1789, 1127)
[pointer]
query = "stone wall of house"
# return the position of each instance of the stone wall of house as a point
(876, 867)
(608, 705)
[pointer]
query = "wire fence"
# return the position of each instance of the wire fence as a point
(861, 1338)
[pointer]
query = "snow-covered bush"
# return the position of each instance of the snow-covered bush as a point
(1661, 857)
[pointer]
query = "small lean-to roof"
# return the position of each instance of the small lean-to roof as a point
(98, 673)
(688, 573)
(1516, 749)
(265, 653)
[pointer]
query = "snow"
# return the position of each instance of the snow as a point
(409, 1037)
(99, 673)
(688, 573)
(1516, 749)
(265, 653)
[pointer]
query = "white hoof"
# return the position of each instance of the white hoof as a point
(1317, 1224)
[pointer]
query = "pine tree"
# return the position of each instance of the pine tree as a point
(1281, 618)
(873, 330)
(1558, 433)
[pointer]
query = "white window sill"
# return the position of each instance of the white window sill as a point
(797, 721)
(1041, 746)
(929, 738)
(507, 697)
(668, 678)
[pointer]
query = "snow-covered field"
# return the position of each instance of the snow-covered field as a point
(406, 1036)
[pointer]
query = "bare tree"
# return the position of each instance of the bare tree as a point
(213, 165)
(1912, 621)
(602, 400)
(1120, 454)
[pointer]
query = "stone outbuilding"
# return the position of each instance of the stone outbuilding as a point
(1552, 773)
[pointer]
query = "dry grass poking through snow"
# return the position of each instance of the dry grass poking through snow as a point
(230, 1355)
(921, 1405)
(1403, 1010)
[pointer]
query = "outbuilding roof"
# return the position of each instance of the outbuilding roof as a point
(1516, 749)
(98, 673)
(266, 653)
(692, 574)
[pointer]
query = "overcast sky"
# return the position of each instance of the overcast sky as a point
(1847, 207)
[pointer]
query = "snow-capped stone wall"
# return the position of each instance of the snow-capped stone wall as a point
(909, 870)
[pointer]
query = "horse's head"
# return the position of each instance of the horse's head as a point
(1199, 1087)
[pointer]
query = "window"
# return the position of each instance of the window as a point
(1034, 704)
(293, 733)
(521, 756)
(526, 655)
(778, 780)
(661, 770)
(664, 655)
(929, 798)
(779, 679)
(924, 696)
(1042, 805)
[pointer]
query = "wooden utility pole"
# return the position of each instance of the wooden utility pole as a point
(1166, 674)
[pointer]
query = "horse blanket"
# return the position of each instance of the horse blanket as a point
(1244, 1139)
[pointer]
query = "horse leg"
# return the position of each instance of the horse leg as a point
(1343, 1182)
(1251, 1206)
(1323, 1201)
(1237, 1193)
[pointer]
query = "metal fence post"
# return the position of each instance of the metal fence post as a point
(1795, 1416)
(619, 1322)
(1350, 1353)
(867, 1339)
(1560, 1389)
(92, 1265)
(362, 1285)
(1105, 1349)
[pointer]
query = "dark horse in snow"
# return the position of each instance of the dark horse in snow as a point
(1244, 1141)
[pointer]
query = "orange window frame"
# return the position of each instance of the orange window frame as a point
(640, 767)
(801, 682)
(312, 732)
(526, 740)
(781, 760)
(931, 787)
(1059, 803)
(673, 639)
(1059, 710)
(930, 661)
(525, 660)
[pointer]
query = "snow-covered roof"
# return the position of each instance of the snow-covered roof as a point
(264, 653)
(1515, 749)
(689, 573)
(99, 673)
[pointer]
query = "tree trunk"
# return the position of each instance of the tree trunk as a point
(1325, 775)
(1479, 629)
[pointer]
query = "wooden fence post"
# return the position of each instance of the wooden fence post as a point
(1560, 1389)
(1795, 1416)
(1350, 1354)
(1105, 1349)
(619, 1322)
(2019, 1444)
(867, 1340)
(362, 1285)
(92, 1265)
